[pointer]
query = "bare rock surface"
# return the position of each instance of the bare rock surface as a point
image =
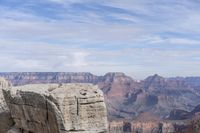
(57, 108)
(3, 85)
(5, 118)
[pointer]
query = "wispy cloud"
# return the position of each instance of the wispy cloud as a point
(136, 37)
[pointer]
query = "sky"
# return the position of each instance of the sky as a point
(137, 37)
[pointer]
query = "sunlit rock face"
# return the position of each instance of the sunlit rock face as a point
(5, 118)
(57, 108)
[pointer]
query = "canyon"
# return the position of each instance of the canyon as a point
(155, 104)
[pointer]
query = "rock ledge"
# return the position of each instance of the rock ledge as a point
(57, 108)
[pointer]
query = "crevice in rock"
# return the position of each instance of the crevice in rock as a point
(47, 116)
(91, 103)
(77, 104)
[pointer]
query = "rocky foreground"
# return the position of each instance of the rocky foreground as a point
(52, 108)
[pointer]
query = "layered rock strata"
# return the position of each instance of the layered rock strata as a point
(125, 97)
(57, 108)
(183, 126)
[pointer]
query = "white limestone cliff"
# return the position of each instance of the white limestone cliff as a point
(56, 108)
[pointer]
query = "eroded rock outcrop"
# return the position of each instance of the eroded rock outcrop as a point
(168, 126)
(57, 108)
(136, 127)
(5, 118)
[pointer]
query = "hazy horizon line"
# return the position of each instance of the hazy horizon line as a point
(103, 74)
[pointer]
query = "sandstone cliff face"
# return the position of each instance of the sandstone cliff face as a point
(3, 84)
(5, 118)
(136, 127)
(168, 126)
(117, 87)
(188, 126)
(57, 108)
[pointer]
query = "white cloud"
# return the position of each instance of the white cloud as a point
(87, 40)
(79, 59)
(183, 41)
(58, 1)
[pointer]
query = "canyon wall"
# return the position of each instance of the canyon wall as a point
(184, 126)
(155, 104)
(125, 97)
